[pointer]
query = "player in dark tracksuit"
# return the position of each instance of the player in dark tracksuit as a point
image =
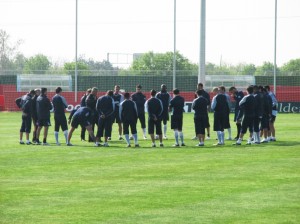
(128, 114)
(155, 109)
(247, 104)
(200, 116)
(177, 107)
(34, 114)
(118, 98)
(238, 113)
(43, 107)
(91, 101)
(83, 104)
(106, 109)
(26, 106)
(221, 108)
(267, 113)
(82, 116)
(139, 98)
(59, 105)
(165, 98)
(259, 104)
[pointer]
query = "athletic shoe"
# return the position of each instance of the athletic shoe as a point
(165, 137)
(218, 143)
(208, 138)
(128, 146)
(195, 138)
(237, 143)
(145, 137)
(69, 144)
(236, 138)
(137, 145)
(109, 138)
(273, 139)
(57, 143)
(22, 143)
(120, 138)
(153, 145)
(182, 144)
(28, 143)
(161, 144)
(249, 142)
(38, 142)
(200, 144)
(229, 138)
(46, 143)
(105, 144)
(264, 141)
(256, 142)
(97, 145)
(176, 145)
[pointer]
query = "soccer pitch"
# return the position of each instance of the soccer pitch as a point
(213, 184)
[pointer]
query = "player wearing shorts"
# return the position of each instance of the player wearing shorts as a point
(200, 116)
(155, 109)
(139, 98)
(83, 117)
(165, 98)
(118, 98)
(43, 107)
(176, 107)
(128, 113)
(59, 105)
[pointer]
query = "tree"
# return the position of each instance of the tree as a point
(37, 64)
(266, 69)
(150, 62)
(292, 67)
(7, 51)
(82, 68)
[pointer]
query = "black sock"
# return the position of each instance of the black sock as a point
(239, 127)
(44, 140)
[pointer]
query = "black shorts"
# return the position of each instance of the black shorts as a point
(247, 122)
(227, 122)
(83, 123)
(26, 124)
(44, 122)
(256, 122)
(219, 121)
(154, 124)
(132, 125)
(105, 126)
(165, 117)
(176, 122)
(60, 121)
(264, 124)
(200, 125)
(116, 118)
(272, 119)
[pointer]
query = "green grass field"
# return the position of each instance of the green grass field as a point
(214, 184)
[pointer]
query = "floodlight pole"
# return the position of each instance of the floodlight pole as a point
(76, 33)
(275, 47)
(174, 53)
(201, 70)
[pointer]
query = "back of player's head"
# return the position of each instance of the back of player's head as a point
(138, 86)
(222, 88)
(215, 90)
(261, 88)
(153, 92)
(200, 85)
(163, 87)
(127, 95)
(199, 92)
(58, 89)
(176, 91)
(255, 88)
(267, 88)
(94, 89)
(89, 90)
(32, 92)
(43, 90)
(250, 89)
(110, 93)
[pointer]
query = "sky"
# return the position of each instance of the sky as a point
(237, 31)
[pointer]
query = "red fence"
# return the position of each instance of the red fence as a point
(8, 94)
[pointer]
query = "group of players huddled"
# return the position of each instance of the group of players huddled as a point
(255, 111)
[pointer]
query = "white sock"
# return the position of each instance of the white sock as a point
(144, 131)
(181, 136)
(56, 136)
(222, 137)
(66, 135)
(135, 139)
(165, 130)
(229, 132)
(219, 136)
(127, 139)
(176, 136)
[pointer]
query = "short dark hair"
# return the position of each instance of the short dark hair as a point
(126, 95)
(138, 86)
(153, 92)
(43, 90)
(267, 88)
(32, 92)
(58, 89)
(176, 91)
(231, 88)
(250, 89)
(110, 93)
(200, 84)
(199, 92)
